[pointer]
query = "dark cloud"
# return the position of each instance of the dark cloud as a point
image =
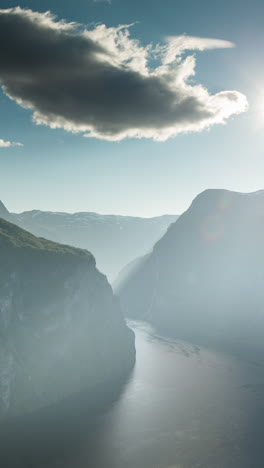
(98, 82)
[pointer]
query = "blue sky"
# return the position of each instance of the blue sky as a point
(60, 171)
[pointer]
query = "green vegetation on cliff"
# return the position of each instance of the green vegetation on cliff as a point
(13, 237)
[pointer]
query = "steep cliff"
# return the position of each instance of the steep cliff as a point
(204, 278)
(61, 330)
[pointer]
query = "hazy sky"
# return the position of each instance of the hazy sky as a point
(99, 83)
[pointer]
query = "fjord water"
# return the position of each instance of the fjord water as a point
(183, 407)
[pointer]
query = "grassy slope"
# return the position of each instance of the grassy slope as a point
(13, 237)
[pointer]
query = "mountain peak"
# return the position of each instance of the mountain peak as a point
(3, 211)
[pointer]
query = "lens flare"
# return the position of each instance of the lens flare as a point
(225, 202)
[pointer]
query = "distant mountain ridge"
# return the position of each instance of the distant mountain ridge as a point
(204, 279)
(114, 240)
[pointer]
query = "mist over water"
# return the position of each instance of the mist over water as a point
(183, 407)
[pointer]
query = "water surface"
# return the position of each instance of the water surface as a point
(184, 407)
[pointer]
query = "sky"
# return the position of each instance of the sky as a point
(133, 121)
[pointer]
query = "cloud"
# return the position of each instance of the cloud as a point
(103, 1)
(8, 144)
(104, 84)
(176, 46)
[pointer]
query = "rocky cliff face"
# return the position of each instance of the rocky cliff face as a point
(61, 330)
(204, 278)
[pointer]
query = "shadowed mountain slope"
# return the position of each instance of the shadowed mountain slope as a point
(204, 279)
(61, 329)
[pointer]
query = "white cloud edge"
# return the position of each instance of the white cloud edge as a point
(9, 144)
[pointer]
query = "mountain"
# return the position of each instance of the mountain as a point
(61, 329)
(4, 213)
(128, 271)
(113, 240)
(204, 279)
